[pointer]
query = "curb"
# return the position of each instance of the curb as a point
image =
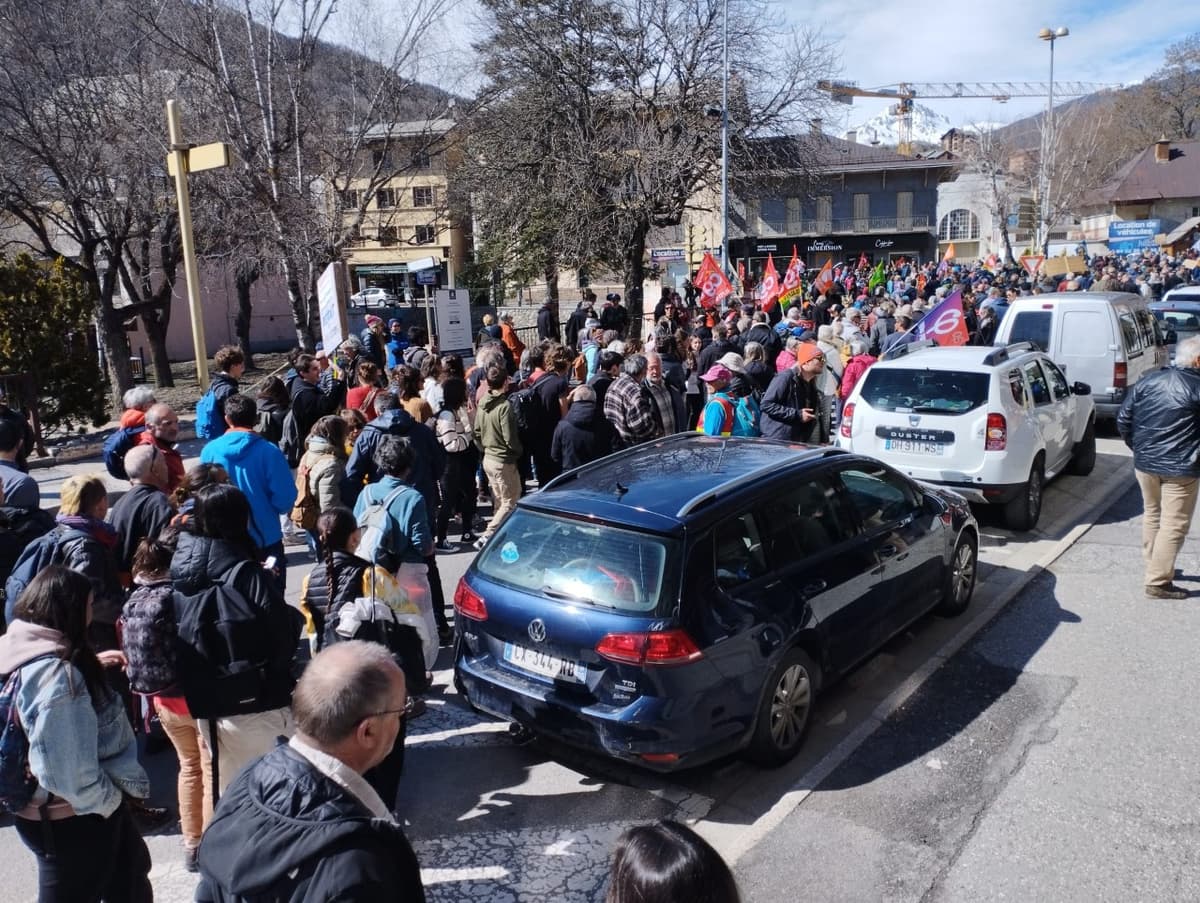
(93, 447)
(814, 776)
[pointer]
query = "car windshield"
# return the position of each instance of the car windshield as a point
(586, 563)
(929, 391)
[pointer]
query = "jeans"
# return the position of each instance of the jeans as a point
(195, 774)
(505, 481)
(89, 858)
(1169, 503)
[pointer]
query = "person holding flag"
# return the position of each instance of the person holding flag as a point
(944, 266)
(712, 283)
(945, 323)
(767, 293)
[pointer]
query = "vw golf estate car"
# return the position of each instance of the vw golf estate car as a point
(688, 598)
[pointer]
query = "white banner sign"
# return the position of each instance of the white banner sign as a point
(453, 306)
(333, 310)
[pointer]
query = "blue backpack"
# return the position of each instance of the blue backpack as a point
(209, 422)
(115, 447)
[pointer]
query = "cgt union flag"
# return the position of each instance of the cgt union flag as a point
(944, 323)
(713, 284)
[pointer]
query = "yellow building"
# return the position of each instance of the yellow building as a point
(409, 219)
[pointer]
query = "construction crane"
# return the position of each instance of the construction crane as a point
(905, 93)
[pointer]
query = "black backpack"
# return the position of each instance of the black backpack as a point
(225, 647)
(526, 407)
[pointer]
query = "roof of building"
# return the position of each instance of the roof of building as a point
(832, 154)
(1143, 178)
(410, 129)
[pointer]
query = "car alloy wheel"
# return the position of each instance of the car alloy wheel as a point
(960, 577)
(791, 703)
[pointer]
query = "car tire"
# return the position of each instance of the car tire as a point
(960, 577)
(785, 710)
(1083, 457)
(1022, 512)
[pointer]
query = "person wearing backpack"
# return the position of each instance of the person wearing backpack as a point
(455, 434)
(229, 364)
(148, 638)
(64, 724)
(259, 469)
(720, 411)
(238, 680)
(362, 397)
(272, 401)
(321, 474)
(334, 596)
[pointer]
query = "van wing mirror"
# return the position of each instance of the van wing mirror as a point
(1081, 388)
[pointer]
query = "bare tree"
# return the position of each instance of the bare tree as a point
(82, 153)
(989, 158)
(305, 119)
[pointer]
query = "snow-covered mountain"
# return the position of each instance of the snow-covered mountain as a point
(928, 126)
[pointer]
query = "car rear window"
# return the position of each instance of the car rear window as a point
(1032, 326)
(579, 562)
(928, 391)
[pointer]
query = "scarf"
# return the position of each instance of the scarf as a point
(98, 530)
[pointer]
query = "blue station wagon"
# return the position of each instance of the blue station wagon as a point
(688, 598)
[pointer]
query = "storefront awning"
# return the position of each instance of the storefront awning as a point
(381, 269)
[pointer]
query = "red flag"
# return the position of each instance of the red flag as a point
(824, 278)
(767, 292)
(862, 261)
(944, 323)
(792, 288)
(713, 284)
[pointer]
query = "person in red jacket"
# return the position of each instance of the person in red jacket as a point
(855, 368)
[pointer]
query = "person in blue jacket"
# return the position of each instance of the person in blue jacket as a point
(259, 469)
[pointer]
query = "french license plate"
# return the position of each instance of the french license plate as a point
(537, 662)
(911, 446)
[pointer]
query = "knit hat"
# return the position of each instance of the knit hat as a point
(806, 352)
(373, 320)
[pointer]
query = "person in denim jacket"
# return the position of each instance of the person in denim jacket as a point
(81, 748)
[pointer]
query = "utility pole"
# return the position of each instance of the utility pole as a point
(181, 159)
(725, 140)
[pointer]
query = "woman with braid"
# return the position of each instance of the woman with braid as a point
(348, 598)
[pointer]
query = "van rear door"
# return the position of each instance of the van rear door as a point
(1087, 349)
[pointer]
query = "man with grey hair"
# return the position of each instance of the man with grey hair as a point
(136, 402)
(626, 405)
(303, 823)
(1160, 421)
(670, 410)
(142, 511)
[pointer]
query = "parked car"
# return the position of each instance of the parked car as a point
(993, 424)
(1179, 315)
(374, 296)
(1108, 340)
(689, 598)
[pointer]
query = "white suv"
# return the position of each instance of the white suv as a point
(991, 423)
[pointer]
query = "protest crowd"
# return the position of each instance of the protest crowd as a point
(289, 721)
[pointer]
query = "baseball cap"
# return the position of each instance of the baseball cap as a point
(716, 372)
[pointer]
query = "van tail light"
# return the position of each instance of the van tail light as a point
(658, 647)
(847, 420)
(469, 603)
(996, 434)
(1120, 375)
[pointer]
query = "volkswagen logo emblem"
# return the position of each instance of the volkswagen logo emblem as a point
(537, 630)
(914, 419)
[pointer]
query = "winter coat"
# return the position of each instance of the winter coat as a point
(259, 469)
(576, 440)
(309, 404)
(326, 472)
(782, 403)
(222, 385)
(202, 561)
(454, 431)
(410, 533)
(142, 511)
(286, 832)
(853, 373)
(1160, 421)
(496, 429)
(373, 347)
(348, 572)
(270, 427)
(429, 458)
(547, 322)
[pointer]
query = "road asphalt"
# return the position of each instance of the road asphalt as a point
(943, 742)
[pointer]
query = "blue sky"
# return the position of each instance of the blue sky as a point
(882, 43)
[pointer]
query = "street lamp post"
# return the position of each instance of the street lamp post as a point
(725, 139)
(1044, 209)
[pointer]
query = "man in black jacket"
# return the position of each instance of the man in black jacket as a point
(1160, 421)
(791, 405)
(302, 823)
(142, 511)
(309, 403)
(547, 321)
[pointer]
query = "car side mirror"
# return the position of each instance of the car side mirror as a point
(1081, 389)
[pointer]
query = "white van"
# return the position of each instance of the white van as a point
(1105, 339)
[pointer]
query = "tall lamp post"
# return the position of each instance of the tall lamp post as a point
(725, 140)
(1044, 209)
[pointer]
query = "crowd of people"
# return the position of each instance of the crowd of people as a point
(169, 606)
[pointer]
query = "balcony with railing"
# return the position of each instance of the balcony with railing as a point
(853, 225)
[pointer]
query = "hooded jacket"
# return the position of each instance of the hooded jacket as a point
(286, 832)
(1160, 421)
(202, 561)
(260, 470)
(576, 441)
(496, 429)
(309, 404)
(429, 458)
(223, 385)
(326, 472)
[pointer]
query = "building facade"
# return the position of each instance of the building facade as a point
(409, 219)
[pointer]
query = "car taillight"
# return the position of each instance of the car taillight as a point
(1120, 375)
(469, 603)
(847, 420)
(659, 647)
(996, 435)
